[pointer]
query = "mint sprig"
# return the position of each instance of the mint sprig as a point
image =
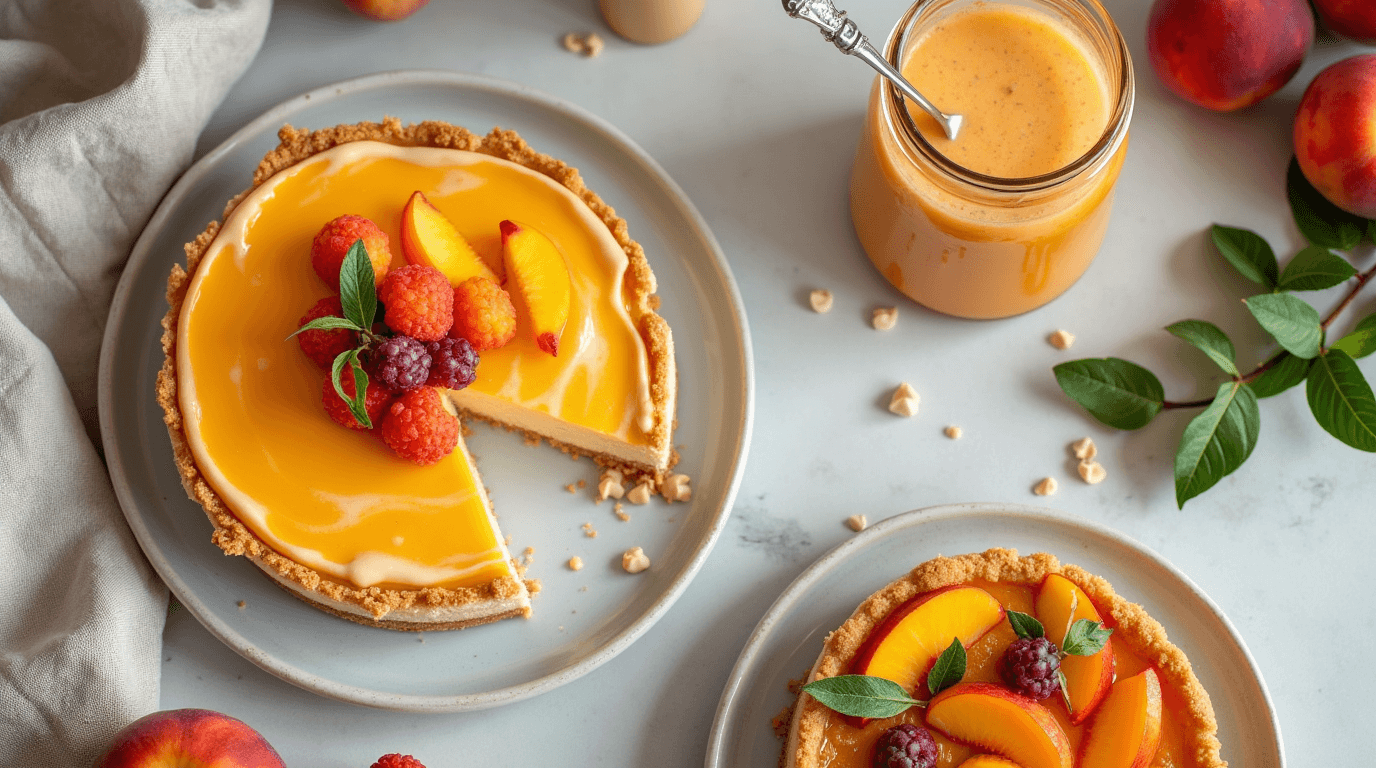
(949, 668)
(878, 697)
(1085, 638)
(1025, 625)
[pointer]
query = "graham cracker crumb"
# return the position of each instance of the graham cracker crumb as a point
(953, 432)
(781, 721)
(634, 560)
(857, 523)
(586, 44)
(621, 513)
(639, 494)
(905, 400)
(821, 301)
(675, 488)
(571, 488)
(609, 486)
(1046, 487)
(1092, 472)
(1084, 449)
(575, 563)
(885, 318)
(242, 605)
(1061, 339)
(582, 484)
(588, 531)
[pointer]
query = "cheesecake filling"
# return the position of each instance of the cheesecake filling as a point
(338, 500)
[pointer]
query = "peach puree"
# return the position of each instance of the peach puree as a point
(1035, 99)
(846, 746)
(338, 500)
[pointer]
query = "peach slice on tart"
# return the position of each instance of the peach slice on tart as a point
(1087, 678)
(533, 262)
(988, 761)
(904, 647)
(1009, 724)
(1126, 728)
(429, 238)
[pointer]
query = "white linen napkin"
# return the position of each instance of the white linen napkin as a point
(101, 103)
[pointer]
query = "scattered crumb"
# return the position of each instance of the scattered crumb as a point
(821, 301)
(1061, 339)
(586, 44)
(507, 541)
(781, 722)
(583, 589)
(953, 432)
(676, 488)
(561, 627)
(532, 440)
(242, 605)
(1084, 449)
(904, 401)
(857, 523)
(534, 586)
(1046, 487)
(582, 484)
(1092, 472)
(420, 638)
(634, 560)
(588, 531)
(639, 494)
(575, 563)
(530, 552)
(885, 318)
(609, 486)
(571, 488)
(621, 514)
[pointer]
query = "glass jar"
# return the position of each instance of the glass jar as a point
(979, 246)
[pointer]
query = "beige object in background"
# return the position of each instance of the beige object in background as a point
(651, 21)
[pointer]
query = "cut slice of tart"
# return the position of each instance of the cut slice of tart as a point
(330, 513)
(984, 714)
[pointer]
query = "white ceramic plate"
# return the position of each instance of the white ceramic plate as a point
(574, 630)
(788, 639)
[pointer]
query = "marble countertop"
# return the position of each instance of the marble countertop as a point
(757, 119)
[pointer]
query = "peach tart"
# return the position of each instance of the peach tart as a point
(331, 514)
(967, 649)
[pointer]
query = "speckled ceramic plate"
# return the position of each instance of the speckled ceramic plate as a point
(788, 639)
(581, 619)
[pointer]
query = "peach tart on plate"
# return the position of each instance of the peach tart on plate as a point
(444, 275)
(991, 660)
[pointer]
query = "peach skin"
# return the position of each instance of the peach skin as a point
(1350, 18)
(904, 647)
(542, 280)
(181, 737)
(1127, 727)
(1087, 678)
(1008, 724)
(1335, 134)
(430, 239)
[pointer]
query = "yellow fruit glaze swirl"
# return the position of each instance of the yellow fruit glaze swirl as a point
(338, 500)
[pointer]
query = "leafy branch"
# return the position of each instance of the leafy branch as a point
(1125, 395)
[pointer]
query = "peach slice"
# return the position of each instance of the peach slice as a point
(542, 279)
(1087, 678)
(429, 238)
(906, 645)
(1008, 724)
(1127, 727)
(988, 761)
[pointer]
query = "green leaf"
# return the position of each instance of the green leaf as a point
(356, 404)
(1118, 393)
(1248, 252)
(357, 286)
(948, 669)
(861, 695)
(1024, 625)
(1292, 321)
(1286, 373)
(1217, 441)
(1085, 638)
(1321, 222)
(1314, 269)
(1209, 339)
(1341, 400)
(327, 324)
(1362, 341)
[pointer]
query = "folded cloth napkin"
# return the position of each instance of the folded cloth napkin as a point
(101, 102)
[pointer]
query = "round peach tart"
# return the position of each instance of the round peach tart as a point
(992, 660)
(376, 284)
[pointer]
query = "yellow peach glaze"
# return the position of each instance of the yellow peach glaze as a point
(339, 500)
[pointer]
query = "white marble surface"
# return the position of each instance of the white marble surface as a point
(757, 118)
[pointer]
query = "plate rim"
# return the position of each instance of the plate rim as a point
(725, 715)
(269, 121)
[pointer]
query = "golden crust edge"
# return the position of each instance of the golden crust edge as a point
(1143, 634)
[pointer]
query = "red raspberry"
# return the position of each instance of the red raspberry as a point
(483, 314)
(375, 402)
(324, 346)
(418, 427)
(335, 239)
(397, 761)
(419, 301)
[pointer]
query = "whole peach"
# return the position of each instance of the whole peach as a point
(1350, 18)
(1335, 134)
(385, 10)
(1227, 54)
(179, 737)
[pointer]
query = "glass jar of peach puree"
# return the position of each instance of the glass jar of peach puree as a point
(1010, 214)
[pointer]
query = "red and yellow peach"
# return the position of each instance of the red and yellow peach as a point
(1335, 134)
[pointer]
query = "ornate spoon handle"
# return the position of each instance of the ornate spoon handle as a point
(842, 32)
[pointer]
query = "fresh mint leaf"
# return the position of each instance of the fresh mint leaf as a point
(1085, 638)
(1321, 222)
(1217, 441)
(1248, 252)
(358, 286)
(1314, 269)
(1286, 373)
(1362, 341)
(1024, 625)
(1291, 320)
(1118, 393)
(1209, 339)
(1341, 400)
(861, 695)
(948, 669)
(349, 360)
(327, 324)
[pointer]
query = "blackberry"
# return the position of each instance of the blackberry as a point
(1029, 666)
(905, 746)
(400, 364)
(453, 363)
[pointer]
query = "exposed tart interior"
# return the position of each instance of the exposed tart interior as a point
(383, 589)
(1141, 638)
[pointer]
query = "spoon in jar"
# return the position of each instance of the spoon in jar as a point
(843, 33)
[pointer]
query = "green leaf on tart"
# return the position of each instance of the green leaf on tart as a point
(949, 668)
(1217, 441)
(1085, 638)
(1321, 222)
(1025, 625)
(358, 286)
(357, 402)
(328, 323)
(1286, 373)
(861, 695)
(1118, 393)
(1248, 252)
(1361, 341)
(1341, 400)
(1291, 321)
(1314, 269)
(1209, 339)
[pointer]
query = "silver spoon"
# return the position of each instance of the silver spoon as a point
(842, 32)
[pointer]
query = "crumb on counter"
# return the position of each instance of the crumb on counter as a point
(857, 523)
(1092, 472)
(571, 488)
(953, 432)
(634, 560)
(586, 44)
(242, 604)
(1084, 449)
(582, 484)
(589, 531)
(821, 301)
(575, 563)
(884, 318)
(1046, 487)
(1061, 339)
(905, 400)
